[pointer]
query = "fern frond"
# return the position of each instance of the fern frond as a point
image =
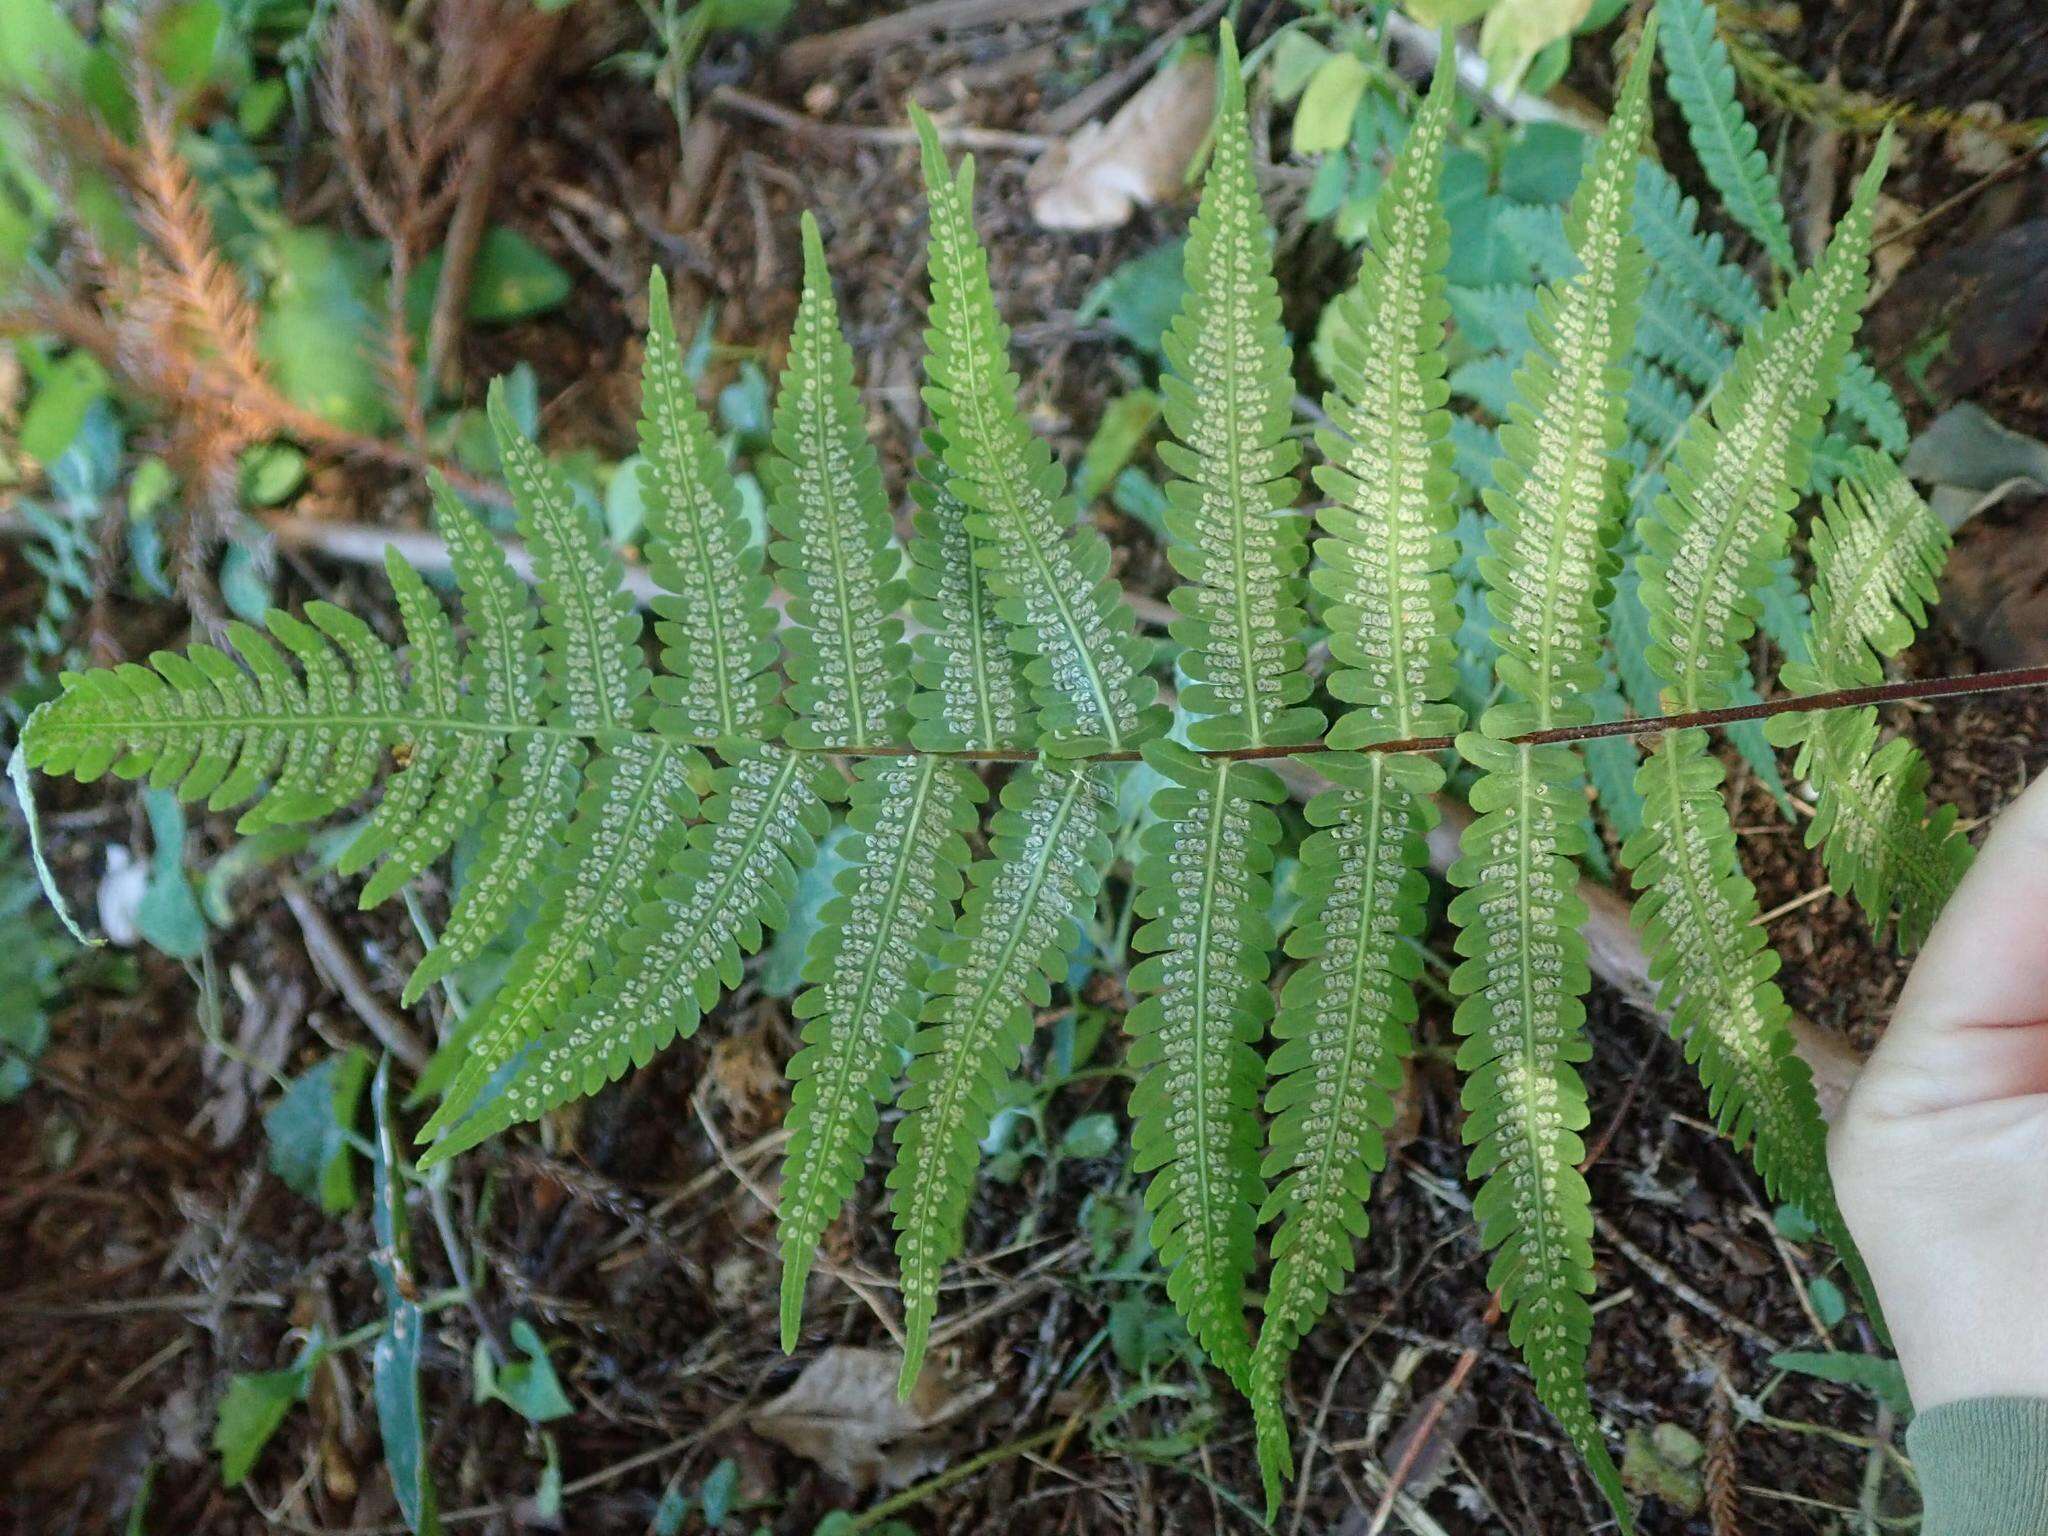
(683, 948)
(867, 971)
(1701, 80)
(1229, 393)
(1557, 499)
(848, 667)
(1052, 578)
(971, 691)
(1202, 880)
(1877, 553)
(636, 790)
(716, 617)
(1384, 571)
(1048, 847)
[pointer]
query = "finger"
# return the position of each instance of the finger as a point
(1972, 1022)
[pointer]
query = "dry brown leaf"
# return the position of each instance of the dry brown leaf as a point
(746, 1077)
(1098, 175)
(843, 1413)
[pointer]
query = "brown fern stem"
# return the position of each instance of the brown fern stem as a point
(1647, 725)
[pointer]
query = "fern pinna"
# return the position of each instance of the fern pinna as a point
(654, 815)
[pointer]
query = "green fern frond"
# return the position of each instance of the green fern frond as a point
(1701, 80)
(716, 617)
(1877, 553)
(1384, 572)
(867, 969)
(1558, 502)
(848, 666)
(1048, 847)
(683, 948)
(1229, 397)
(1052, 578)
(1203, 881)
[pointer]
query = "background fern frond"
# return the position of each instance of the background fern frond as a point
(1557, 499)
(1229, 397)
(716, 618)
(1048, 846)
(1385, 557)
(1877, 553)
(1702, 81)
(848, 667)
(1052, 578)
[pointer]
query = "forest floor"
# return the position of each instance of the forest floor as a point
(145, 1252)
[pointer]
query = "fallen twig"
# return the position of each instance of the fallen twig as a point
(809, 56)
(333, 960)
(728, 98)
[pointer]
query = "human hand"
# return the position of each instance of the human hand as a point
(1940, 1156)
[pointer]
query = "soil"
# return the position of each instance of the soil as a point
(145, 1253)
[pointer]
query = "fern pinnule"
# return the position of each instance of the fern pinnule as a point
(434, 692)
(635, 791)
(1051, 578)
(1229, 394)
(1202, 872)
(1709, 543)
(1878, 551)
(590, 628)
(716, 620)
(971, 691)
(848, 667)
(1524, 973)
(1384, 573)
(1048, 847)
(866, 971)
(717, 888)
(1203, 881)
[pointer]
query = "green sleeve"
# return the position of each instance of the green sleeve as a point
(1983, 1467)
